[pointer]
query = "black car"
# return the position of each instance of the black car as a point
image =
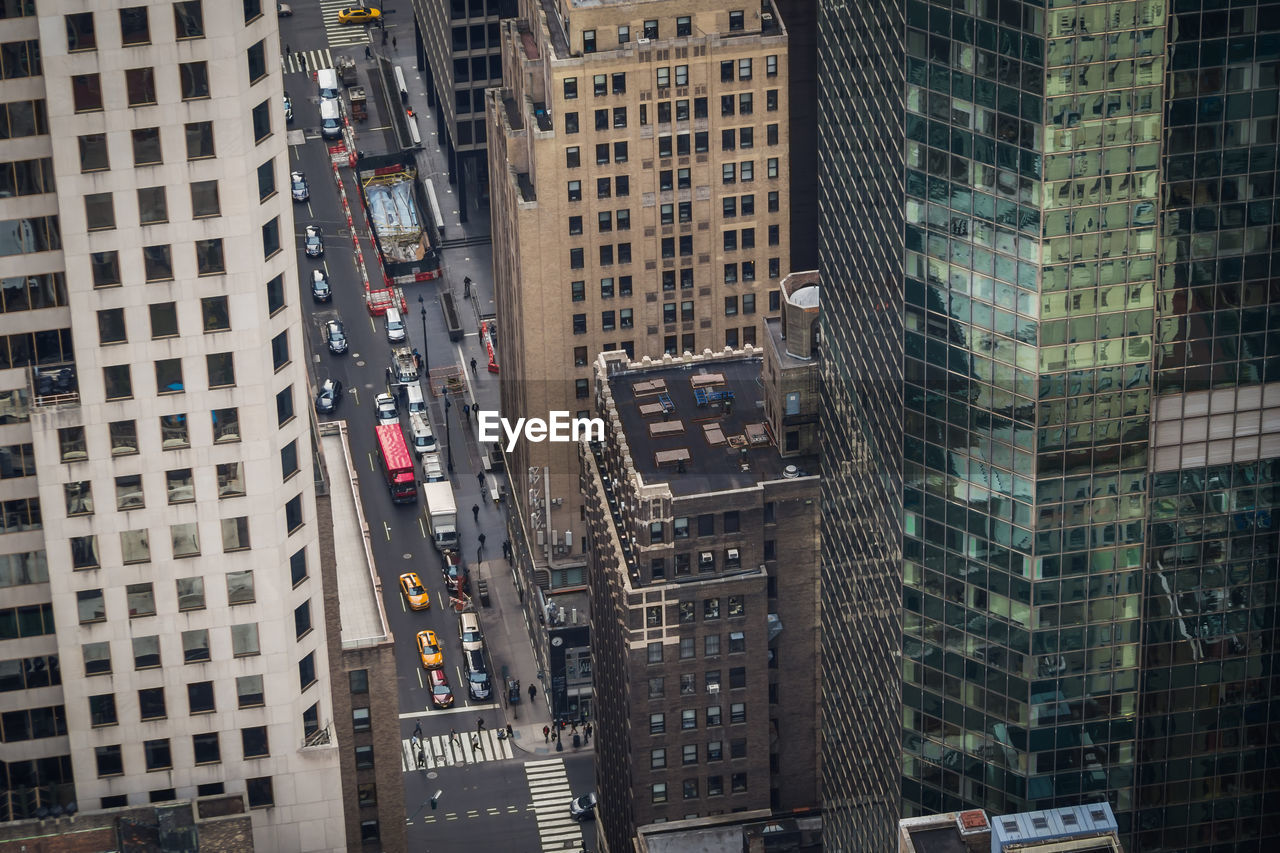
(335, 336)
(298, 186)
(329, 397)
(313, 242)
(320, 290)
(478, 684)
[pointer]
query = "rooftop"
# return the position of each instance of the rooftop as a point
(699, 426)
(364, 622)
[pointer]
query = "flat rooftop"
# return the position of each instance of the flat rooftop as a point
(700, 427)
(363, 620)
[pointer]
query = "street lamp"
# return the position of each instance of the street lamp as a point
(448, 442)
(426, 350)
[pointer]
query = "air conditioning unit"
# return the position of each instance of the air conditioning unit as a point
(713, 687)
(642, 41)
(733, 555)
(767, 17)
(706, 558)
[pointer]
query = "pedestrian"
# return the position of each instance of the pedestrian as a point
(288, 51)
(546, 734)
(302, 57)
(510, 734)
(422, 759)
(574, 730)
(368, 54)
(466, 287)
(453, 736)
(417, 729)
(480, 480)
(533, 691)
(393, 43)
(480, 724)
(588, 730)
(475, 741)
(481, 538)
(475, 512)
(473, 368)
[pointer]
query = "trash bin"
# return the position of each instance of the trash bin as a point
(577, 740)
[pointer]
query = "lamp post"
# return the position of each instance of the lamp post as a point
(448, 442)
(426, 350)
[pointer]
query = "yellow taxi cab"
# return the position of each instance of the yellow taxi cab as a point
(414, 592)
(358, 15)
(429, 650)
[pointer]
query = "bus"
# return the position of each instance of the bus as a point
(397, 464)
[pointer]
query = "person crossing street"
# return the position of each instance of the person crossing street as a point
(475, 512)
(473, 368)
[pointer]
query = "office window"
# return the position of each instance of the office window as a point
(307, 672)
(606, 255)
(588, 41)
(664, 77)
(266, 180)
(658, 792)
(736, 21)
(302, 621)
(249, 691)
(575, 190)
(657, 724)
(199, 136)
(135, 546)
(570, 88)
(185, 539)
(271, 237)
(140, 86)
(730, 241)
(600, 85)
(358, 680)
(235, 537)
(624, 34)
(575, 226)
(657, 759)
(257, 58)
(651, 29)
(261, 116)
(99, 212)
(619, 117)
(711, 645)
(153, 207)
(577, 259)
(737, 642)
(206, 748)
(775, 268)
(626, 318)
(284, 406)
(209, 257)
(687, 648)
(188, 20)
(81, 35)
(361, 720)
(195, 646)
(134, 26)
(190, 593)
(164, 319)
(226, 425)
(293, 513)
(572, 159)
(141, 598)
(260, 792)
(728, 173)
(86, 92)
(684, 26)
(571, 122)
(655, 652)
(244, 639)
(109, 759)
(744, 72)
(688, 719)
(102, 710)
(254, 741)
(169, 376)
(230, 480)
(289, 460)
(157, 262)
(772, 167)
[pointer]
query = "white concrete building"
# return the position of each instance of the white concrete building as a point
(171, 515)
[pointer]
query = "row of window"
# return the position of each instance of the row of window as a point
(689, 718)
(33, 292)
(481, 37)
(578, 289)
(135, 26)
(135, 545)
(711, 681)
(689, 753)
(179, 485)
(478, 68)
(710, 647)
(715, 787)
(258, 790)
(147, 149)
(118, 379)
(20, 119)
(651, 30)
(33, 724)
(215, 316)
(729, 559)
(20, 59)
(17, 460)
(33, 620)
(20, 515)
(29, 235)
(29, 673)
(26, 177)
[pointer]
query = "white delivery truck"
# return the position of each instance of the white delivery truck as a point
(442, 514)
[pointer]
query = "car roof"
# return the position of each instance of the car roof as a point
(437, 676)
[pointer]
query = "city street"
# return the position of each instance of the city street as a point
(488, 797)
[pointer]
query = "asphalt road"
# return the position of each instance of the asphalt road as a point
(487, 804)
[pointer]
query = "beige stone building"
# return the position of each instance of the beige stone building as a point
(639, 176)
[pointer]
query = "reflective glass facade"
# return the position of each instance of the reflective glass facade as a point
(1051, 291)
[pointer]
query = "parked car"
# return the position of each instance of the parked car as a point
(429, 650)
(414, 592)
(358, 15)
(478, 684)
(320, 290)
(457, 577)
(335, 336)
(469, 632)
(384, 405)
(329, 396)
(298, 186)
(441, 695)
(313, 242)
(284, 10)
(395, 326)
(288, 107)
(583, 807)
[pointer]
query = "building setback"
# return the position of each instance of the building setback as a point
(163, 632)
(639, 177)
(1051, 429)
(703, 544)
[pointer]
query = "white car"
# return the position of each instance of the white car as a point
(384, 405)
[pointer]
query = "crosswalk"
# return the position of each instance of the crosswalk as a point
(442, 751)
(549, 789)
(306, 61)
(342, 34)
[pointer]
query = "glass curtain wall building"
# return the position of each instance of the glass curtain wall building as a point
(1069, 591)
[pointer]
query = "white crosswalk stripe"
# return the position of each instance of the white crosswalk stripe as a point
(440, 751)
(549, 790)
(343, 34)
(307, 61)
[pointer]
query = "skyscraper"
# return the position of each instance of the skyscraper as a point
(1051, 559)
(162, 634)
